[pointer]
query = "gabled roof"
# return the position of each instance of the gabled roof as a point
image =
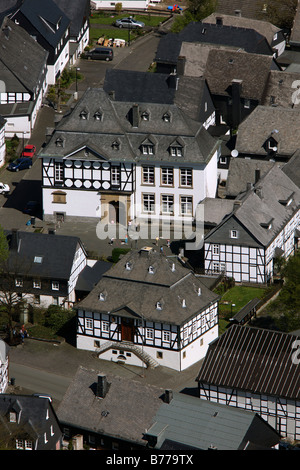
(141, 280)
(200, 424)
(42, 255)
(245, 8)
(254, 131)
(253, 359)
(264, 210)
(282, 89)
(47, 18)
(32, 422)
(265, 28)
(246, 39)
(223, 66)
(22, 59)
(125, 411)
(77, 11)
(117, 123)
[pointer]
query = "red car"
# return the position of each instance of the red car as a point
(29, 151)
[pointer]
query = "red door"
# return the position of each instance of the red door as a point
(127, 330)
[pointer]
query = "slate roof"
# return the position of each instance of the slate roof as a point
(77, 11)
(124, 413)
(201, 424)
(249, 40)
(253, 359)
(57, 252)
(255, 212)
(91, 275)
(216, 209)
(135, 292)
(265, 28)
(143, 87)
(282, 89)
(241, 172)
(292, 168)
(247, 8)
(258, 126)
(116, 124)
(223, 66)
(45, 18)
(32, 422)
(22, 59)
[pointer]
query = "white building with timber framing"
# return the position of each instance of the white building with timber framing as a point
(148, 310)
(263, 225)
(113, 161)
(257, 370)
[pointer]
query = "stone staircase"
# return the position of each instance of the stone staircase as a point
(131, 347)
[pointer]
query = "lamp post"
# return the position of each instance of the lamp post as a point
(76, 89)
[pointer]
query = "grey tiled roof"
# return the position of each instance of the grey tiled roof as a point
(223, 66)
(135, 292)
(99, 136)
(258, 126)
(256, 211)
(242, 171)
(265, 28)
(124, 413)
(247, 8)
(22, 59)
(282, 89)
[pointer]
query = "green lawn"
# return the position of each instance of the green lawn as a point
(238, 297)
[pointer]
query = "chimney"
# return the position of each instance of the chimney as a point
(168, 396)
(102, 386)
(172, 81)
(236, 91)
(181, 64)
(257, 176)
(14, 241)
(135, 115)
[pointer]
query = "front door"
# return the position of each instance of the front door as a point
(127, 330)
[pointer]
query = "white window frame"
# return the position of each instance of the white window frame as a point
(105, 326)
(234, 234)
(37, 284)
(186, 205)
(58, 172)
(148, 175)
(167, 176)
(149, 203)
(186, 177)
(149, 333)
(216, 249)
(89, 323)
(55, 285)
(166, 336)
(167, 204)
(115, 175)
(19, 282)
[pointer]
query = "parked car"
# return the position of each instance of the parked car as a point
(31, 207)
(29, 151)
(99, 53)
(20, 164)
(129, 23)
(4, 188)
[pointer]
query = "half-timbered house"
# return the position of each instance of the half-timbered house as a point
(148, 309)
(114, 161)
(3, 366)
(261, 227)
(257, 370)
(42, 269)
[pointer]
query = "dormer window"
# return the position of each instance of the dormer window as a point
(12, 417)
(151, 270)
(128, 266)
(158, 306)
(102, 296)
(115, 145)
(145, 116)
(167, 117)
(84, 115)
(98, 115)
(148, 149)
(176, 151)
(59, 142)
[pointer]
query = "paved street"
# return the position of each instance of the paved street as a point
(44, 367)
